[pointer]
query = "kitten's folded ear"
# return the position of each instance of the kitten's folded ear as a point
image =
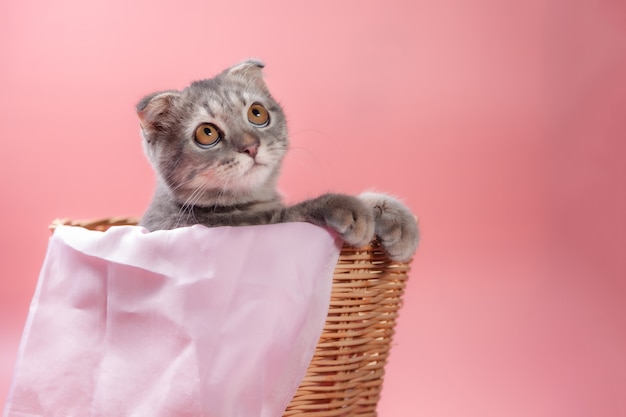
(156, 109)
(251, 69)
(251, 63)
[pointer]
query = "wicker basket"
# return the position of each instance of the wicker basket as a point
(345, 375)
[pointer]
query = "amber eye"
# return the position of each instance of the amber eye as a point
(207, 135)
(258, 115)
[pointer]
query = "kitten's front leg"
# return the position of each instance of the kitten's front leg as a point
(347, 215)
(395, 225)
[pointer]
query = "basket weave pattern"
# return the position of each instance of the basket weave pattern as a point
(345, 375)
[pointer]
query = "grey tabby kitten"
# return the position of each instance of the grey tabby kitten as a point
(217, 147)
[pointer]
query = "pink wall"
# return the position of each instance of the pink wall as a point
(502, 124)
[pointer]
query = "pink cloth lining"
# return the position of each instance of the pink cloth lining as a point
(197, 321)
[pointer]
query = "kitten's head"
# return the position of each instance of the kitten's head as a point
(219, 141)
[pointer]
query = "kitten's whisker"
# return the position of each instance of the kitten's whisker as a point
(311, 162)
(187, 206)
(181, 184)
(221, 193)
(320, 133)
(200, 191)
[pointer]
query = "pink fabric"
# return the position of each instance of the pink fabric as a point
(188, 322)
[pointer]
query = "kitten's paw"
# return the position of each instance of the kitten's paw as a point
(349, 217)
(395, 225)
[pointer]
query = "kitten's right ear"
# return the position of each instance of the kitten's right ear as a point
(155, 109)
(250, 66)
(251, 69)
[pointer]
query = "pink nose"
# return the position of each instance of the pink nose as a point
(248, 144)
(250, 150)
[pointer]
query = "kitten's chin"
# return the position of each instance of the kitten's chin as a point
(256, 171)
(253, 178)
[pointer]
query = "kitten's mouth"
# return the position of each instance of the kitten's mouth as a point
(255, 165)
(255, 174)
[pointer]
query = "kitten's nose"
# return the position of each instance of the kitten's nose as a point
(249, 144)
(251, 150)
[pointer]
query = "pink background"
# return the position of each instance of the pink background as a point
(502, 124)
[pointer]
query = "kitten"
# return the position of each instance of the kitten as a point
(217, 147)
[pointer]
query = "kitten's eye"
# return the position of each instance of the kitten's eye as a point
(207, 135)
(258, 115)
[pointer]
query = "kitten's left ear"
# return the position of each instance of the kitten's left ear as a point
(252, 70)
(156, 109)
